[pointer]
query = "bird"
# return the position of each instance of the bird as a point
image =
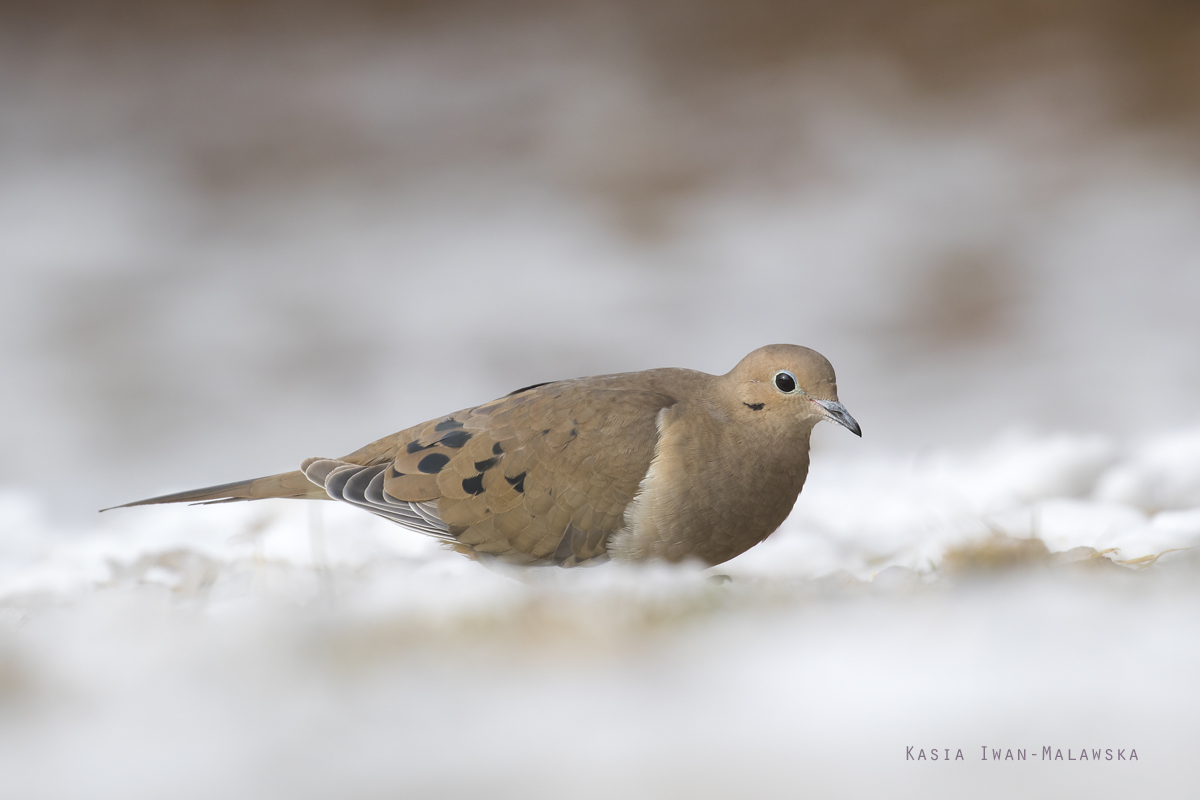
(662, 465)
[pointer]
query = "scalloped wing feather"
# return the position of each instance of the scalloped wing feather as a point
(541, 476)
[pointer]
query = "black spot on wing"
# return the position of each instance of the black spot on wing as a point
(415, 446)
(473, 486)
(484, 466)
(497, 450)
(517, 482)
(396, 473)
(447, 425)
(455, 439)
(530, 388)
(433, 463)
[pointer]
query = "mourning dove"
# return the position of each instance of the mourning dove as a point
(666, 464)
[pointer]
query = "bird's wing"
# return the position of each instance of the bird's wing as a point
(542, 475)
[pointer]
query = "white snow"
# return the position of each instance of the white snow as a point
(311, 650)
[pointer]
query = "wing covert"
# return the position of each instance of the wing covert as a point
(540, 476)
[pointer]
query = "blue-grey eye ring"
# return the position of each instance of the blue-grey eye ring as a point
(785, 382)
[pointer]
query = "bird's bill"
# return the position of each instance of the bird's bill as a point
(838, 413)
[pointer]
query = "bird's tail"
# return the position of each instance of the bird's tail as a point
(286, 484)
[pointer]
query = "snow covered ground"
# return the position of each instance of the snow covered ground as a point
(1039, 593)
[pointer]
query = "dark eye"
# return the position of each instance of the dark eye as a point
(785, 382)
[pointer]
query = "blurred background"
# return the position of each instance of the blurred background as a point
(237, 234)
(234, 235)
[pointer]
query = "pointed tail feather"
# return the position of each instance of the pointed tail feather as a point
(285, 484)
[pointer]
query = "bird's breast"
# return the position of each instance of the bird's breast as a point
(710, 497)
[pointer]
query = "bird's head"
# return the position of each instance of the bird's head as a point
(792, 382)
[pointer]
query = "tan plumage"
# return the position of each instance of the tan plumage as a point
(666, 463)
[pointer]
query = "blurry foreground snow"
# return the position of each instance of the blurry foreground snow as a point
(1041, 592)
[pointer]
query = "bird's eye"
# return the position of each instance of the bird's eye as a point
(785, 382)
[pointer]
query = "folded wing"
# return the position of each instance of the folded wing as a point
(541, 476)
